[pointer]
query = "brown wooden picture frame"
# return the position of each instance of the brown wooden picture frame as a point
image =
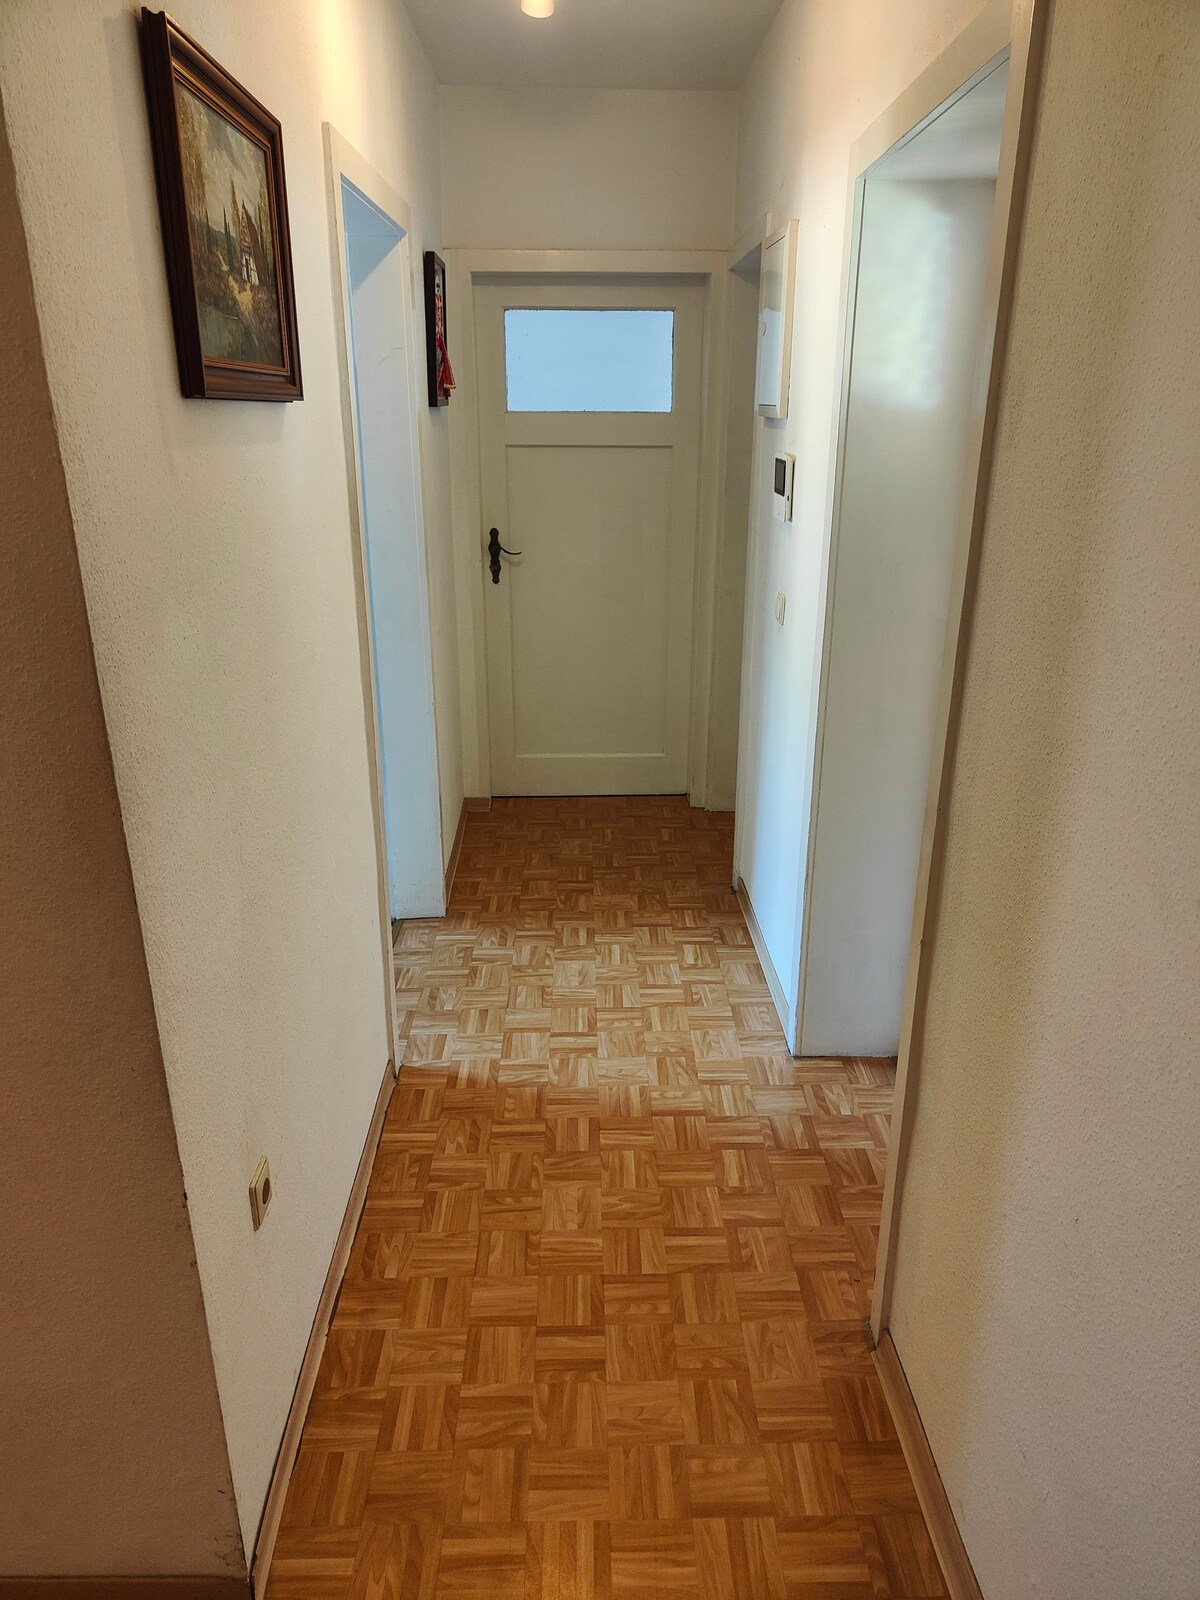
(235, 333)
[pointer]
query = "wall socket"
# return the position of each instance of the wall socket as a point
(261, 1192)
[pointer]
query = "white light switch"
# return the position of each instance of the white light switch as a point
(780, 607)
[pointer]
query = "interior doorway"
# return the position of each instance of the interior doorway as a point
(589, 402)
(381, 400)
(916, 347)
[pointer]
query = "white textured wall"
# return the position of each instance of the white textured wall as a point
(215, 547)
(589, 169)
(112, 1447)
(1047, 1291)
(828, 68)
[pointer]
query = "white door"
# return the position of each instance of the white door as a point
(589, 423)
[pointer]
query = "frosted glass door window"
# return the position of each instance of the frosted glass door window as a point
(589, 360)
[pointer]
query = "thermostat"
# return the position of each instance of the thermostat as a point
(785, 482)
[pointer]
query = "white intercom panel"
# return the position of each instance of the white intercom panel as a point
(785, 483)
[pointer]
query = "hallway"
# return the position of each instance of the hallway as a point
(602, 1333)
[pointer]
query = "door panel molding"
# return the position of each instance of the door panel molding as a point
(530, 746)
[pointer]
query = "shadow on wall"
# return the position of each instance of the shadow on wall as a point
(1009, 1289)
(112, 1453)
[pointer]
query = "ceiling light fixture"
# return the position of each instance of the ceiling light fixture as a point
(538, 8)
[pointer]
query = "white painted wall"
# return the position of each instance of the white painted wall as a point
(918, 330)
(112, 1444)
(827, 69)
(215, 546)
(385, 360)
(588, 169)
(742, 345)
(1047, 1295)
(1046, 1298)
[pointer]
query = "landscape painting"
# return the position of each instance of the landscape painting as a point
(218, 161)
(233, 246)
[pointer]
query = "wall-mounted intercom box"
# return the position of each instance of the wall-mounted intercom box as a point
(785, 482)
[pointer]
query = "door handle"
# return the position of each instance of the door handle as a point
(495, 551)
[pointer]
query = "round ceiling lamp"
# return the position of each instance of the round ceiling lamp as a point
(538, 8)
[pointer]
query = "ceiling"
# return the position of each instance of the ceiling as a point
(600, 44)
(963, 142)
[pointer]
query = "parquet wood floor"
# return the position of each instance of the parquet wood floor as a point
(602, 1334)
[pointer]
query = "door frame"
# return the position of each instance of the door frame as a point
(675, 432)
(466, 267)
(342, 161)
(1016, 29)
(864, 165)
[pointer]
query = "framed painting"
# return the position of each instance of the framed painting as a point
(218, 157)
(437, 355)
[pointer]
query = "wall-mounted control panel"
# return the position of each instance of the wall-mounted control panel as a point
(785, 483)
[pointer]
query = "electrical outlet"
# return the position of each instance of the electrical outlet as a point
(261, 1192)
(780, 607)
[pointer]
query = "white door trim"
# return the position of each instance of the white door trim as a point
(343, 161)
(1016, 26)
(749, 244)
(667, 441)
(463, 268)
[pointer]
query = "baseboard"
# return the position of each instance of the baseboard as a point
(455, 851)
(124, 1589)
(764, 960)
(961, 1583)
(268, 1528)
(470, 803)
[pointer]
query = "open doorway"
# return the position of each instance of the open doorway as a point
(969, 119)
(916, 350)
(374, 265)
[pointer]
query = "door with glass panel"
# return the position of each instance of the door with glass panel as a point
(589, 424)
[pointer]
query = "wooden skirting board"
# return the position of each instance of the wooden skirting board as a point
(268, 1530)
(125, 1589)
(961, 1583)
(471, 803)
(764, 960)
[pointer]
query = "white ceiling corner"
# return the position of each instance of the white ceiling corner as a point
(601, 44)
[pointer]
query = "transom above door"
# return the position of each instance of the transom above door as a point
(589, 434)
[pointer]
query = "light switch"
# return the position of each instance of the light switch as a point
(780, 607)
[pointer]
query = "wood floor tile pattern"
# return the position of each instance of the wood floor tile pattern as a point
(602, 1334)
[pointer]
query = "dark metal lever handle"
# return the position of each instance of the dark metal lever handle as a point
(495, 551)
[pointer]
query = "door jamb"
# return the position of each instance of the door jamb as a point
(463, 268)
(751, 243)
(862, 164)
(342, 160)
(1018, 27)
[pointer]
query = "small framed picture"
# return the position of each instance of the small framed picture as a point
(218, 157)
(437, 355)
(776, 307)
